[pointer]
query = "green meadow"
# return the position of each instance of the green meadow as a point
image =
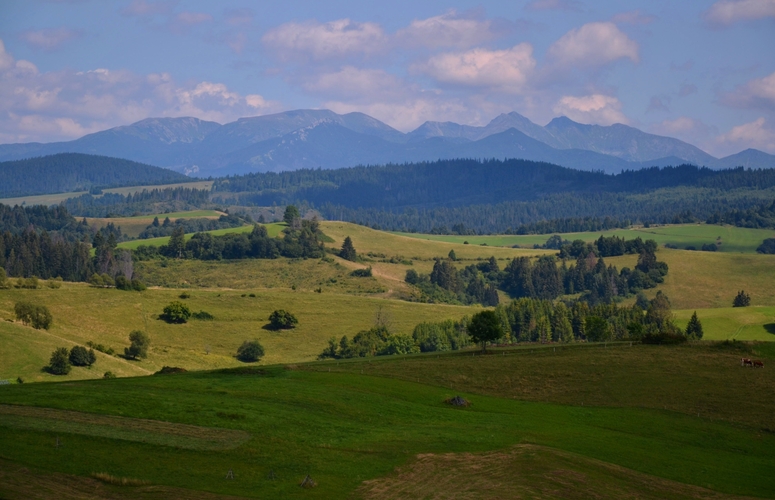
(365, 429)
(273, 230)
(733, 239)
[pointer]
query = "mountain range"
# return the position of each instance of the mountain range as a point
(323, 139)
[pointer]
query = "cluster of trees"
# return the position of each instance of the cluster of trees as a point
(475, 284)
(62, 360)
(167, 227)
(742, 299)
(572, 225)
(302, 240)
(146, 201)
(66, 172)
(282, 320)
(760, 216)
(35, 315)
(767, 246)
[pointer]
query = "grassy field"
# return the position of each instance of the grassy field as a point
(273, 230)
(133, 226)
(371, 430)
(733, 239)
(106, 316)
(56, 198)
(738, 323)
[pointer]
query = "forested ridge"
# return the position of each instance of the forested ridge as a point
(66, 172)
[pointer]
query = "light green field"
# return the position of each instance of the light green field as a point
(733, 239)
(133, 226)
(56, 198)
(738, 323)
(82, 313)
(273, 230)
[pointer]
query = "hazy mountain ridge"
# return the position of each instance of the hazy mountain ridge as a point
(324, 139)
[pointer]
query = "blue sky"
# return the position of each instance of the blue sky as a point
(702, 71)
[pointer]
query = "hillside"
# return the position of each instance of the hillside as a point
(309, 138)
(67, 172)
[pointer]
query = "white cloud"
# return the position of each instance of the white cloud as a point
(354, 83)
(447, 30)
(756, 134)
(65, 104)
(593, 109)
(568, 5)
(505, 70)
(593, 44)
(49, 39)
(726, 12)
(325, 40)
(757, 94)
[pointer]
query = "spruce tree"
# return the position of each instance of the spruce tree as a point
(742, 299)
(348, 250)
(694, 328)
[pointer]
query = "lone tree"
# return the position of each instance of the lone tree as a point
(176, 312)
(694, 328)
(139, 345)
(250, 351)
(742, 299)
(177, 243)
(452, 255)
(59, 364)
(348, 250)
(291, 214)
(79, 356)
(282, 320)
(485, 327)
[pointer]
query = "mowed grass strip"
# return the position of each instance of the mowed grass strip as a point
(129, 429)
(344, 428)
(523, 471)
(732, 239)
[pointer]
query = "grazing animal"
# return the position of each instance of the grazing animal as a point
(758, 364)
(746, 362)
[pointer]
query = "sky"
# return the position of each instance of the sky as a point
(701, 71)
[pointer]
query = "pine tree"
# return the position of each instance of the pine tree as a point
(742, 299)
(348, 250)
(694, 328)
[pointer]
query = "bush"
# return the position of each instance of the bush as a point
(54, 283)
(282, 320)
(31, 283)
(99, 347)
(202, 316)
(109, 375)
(139, 345)
(709, 247)
(250, 351)
(412, 277)
(767, 246)
(79, 356)
(37, 316)
(176, 312)
(362, 273)
(59, 364)
(184, 295)
(742, 299)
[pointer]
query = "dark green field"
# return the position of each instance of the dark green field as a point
(608, 414)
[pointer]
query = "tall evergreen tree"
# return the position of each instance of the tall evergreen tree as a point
(694, 328)
(348, 250)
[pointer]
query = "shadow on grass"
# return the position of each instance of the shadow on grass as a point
(770, 327)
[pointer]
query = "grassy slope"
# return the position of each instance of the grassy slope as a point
(727, 323)
(53, 199)
(133, 226)
(734, 239)
(273, 230)
(345, 426)
(107, 316)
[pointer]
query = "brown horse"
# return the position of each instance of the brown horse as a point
(758, 364)
(746, 362)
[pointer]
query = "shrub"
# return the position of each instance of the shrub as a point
(282, 320)
(709, 247)
(202, 316)
(250, 351)
(767, 246)
(176, 312)
(54, 283)
(99, 347)
(59, 364)
(30, 283)
(139, 345)
(37, 316)
(79, 356)
(412, 277)
(399, 344)
(184, 295)
(109, 375)
(362, 273)
(742, 299)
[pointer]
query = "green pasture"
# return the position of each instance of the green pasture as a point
(733, 323)
(345, 423)
(273, 229)
(733, 239)
(56, 198)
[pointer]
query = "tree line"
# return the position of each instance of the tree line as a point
(145, 201)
